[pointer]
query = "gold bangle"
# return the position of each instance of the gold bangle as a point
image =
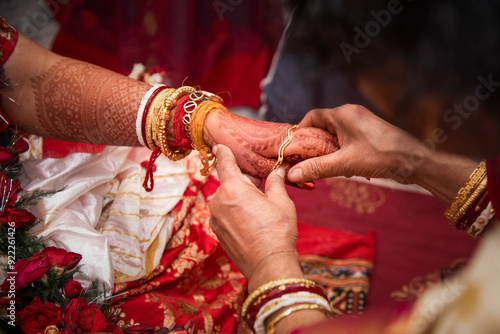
(196, 127)
(475, 179)
(164, 116)
(268, 286)
(152, 117)
(299, 307)
(470, 202)
(281, 150)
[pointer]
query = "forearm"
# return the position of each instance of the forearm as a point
(61, 98)
(443, 174)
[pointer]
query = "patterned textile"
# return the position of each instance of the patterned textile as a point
(197, 281)
(8, 40)
(346, 282)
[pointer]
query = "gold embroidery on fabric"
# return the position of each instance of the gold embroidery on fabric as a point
(130, 235)
(140, 175)
(125, 254)
(120, 277)
(418, 285)
(136, 194)
(208, 322)
(362, 198)
(150, 256)
(117, 212)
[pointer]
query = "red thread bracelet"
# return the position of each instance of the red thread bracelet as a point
(181, 138)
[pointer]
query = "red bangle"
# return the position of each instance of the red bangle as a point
(474, 212)
(181, 139)
(278, 292)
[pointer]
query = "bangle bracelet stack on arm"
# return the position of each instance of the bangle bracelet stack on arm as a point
(282, 297)
(188, 108)
(472, 208)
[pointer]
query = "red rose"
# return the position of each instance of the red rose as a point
(113, 328)
(38, 315)
(71, 260)
(27, 271)
(21, 145)
(80, 317)
(72, 288)
(6, 155)
(61, 258)
(20, 217)
(139, 329)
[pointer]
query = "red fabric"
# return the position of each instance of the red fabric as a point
(335, 244)
(197, 281)
(8, 40)
(221, 48)
(414, 242)
(58, 149)
(493, 173)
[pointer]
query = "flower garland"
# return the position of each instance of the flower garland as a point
(39, 294)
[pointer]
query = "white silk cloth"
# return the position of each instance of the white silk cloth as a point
(102, 211)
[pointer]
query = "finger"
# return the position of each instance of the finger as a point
(330, 165)
(226, 163)
(316, 118)
(255, 181)
(275, 184)
(308, 143)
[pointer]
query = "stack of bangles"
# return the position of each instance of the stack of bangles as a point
(276, 300)
(472, 208)
(187, 107)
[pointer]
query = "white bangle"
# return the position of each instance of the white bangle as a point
(301, 297)
(141, 111)
(482, 221)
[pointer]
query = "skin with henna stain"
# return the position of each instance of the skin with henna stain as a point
(255, 144)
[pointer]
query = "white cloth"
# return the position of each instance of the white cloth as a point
(103, 213)
(466, 303)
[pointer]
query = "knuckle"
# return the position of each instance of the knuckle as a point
(315, 169)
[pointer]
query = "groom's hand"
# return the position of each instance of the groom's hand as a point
(257, 228)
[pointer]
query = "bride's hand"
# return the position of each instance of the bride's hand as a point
(255, 144)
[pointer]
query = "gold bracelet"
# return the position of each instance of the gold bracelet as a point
(164, 116)
(196, 127)
(294, 308)
(469, 203)
(475, 179)
(151, 129)
(268, 286)
(281, 150)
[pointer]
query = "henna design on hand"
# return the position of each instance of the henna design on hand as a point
(77, 101)
(255, 144)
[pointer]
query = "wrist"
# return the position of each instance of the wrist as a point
(274, 267)
(211, 127)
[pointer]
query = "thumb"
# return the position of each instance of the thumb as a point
(333, 164)
(275, 184)
(226, 163)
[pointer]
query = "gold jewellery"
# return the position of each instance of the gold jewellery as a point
(281, 150)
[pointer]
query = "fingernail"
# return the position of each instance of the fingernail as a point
(214, 149)
(308, 186)
(295, 174)
(281, 172)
